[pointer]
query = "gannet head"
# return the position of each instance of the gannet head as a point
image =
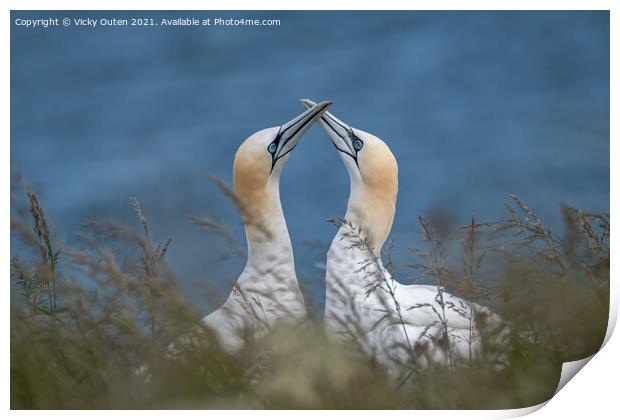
(373, 172)
(259, 162)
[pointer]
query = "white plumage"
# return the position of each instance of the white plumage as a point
(398, 324)
(267, 291)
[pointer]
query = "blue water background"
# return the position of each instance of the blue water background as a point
(475, 106)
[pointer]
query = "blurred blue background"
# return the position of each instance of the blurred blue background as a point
(475, 106)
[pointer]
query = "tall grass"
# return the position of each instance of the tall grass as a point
(86, 320)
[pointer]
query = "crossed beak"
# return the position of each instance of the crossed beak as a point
(291, 132)
(341, 134)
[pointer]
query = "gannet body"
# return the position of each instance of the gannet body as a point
(267, 291)
(395, 323)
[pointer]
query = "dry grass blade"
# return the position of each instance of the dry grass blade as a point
(116, 307)
(219, 230)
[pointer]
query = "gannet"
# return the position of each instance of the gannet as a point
(267, 291)
(400, 325)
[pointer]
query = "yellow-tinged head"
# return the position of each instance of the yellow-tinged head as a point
(374, 176)
(259, 162)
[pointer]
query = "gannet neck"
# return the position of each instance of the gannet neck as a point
(257, 191)
(372, 210)
(266, 230)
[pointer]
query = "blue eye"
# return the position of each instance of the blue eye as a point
(358, 144)
(272, 148)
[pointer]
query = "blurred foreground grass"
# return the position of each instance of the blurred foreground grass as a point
(85, 320)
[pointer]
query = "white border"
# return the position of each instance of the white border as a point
(593, 394)
(313, 5)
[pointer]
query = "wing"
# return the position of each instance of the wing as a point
(425, 305)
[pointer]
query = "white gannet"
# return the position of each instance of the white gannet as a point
(398, 324)
(267, 290)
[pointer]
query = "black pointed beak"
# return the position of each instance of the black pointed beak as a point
(340, 133)
(291, 132)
